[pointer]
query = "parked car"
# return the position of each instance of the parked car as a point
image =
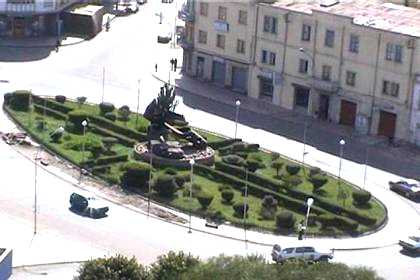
(306, 253)
(165, 34)
(141, 2)
(411, 244)
(87, 207)
(408, 188)
(167, 1)
(131, 7)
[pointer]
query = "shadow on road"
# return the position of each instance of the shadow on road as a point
(26, 49)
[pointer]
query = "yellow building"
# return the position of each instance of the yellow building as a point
(350, 62)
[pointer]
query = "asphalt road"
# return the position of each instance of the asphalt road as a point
(129, 52)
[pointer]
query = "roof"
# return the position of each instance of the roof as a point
(86, 9)
(371, 13)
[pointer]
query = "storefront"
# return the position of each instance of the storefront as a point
(239, 79)
(22, 26)
(218, 71)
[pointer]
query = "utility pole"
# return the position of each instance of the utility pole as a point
(103, 84)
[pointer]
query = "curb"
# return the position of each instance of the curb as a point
(45, 264)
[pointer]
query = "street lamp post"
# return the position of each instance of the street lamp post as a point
(138, 104)
(36, 191)
(238, 104)
(342, 143)
(309, 203)
(192, 162)
(245, 202)
(103, 84)
(150, 180)
(84, 124)
(366, 166)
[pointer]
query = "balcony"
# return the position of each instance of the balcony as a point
(330, 86)
(185, 43)
(186, 13)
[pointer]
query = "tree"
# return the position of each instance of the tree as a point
(81, 100)
(124, 114)
(277, 165)
(112, 268)
(268, 207)
(136, 174)
(172, 265)
(165, 185)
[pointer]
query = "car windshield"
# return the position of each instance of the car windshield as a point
(288, 250)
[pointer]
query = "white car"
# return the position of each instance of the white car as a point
(306, 253)
(411, 244)
(165, 34)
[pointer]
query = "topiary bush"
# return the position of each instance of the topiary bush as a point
(196, 188)
(253, 165)
(20, 101)
(170, 171)
(326, 220)
(171, 266)
(223, 187)
(136, 174)
(292, 169)
(318, 181)
(277, 165)
(124, 113)
(292, 180)
(108, 143)
(60, 98)
(81, 100)
(205, 199)
(165, 185)
(75, 119)
(275, 156)
(361, 197)
(285, 220)
(314, 171)
(234, 160)
(181, 179)
(106, 107)
(268, 207)
(240, 208)
(110, 116)
(227, 195)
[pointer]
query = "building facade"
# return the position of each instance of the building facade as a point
(353, 63)
(26, 18)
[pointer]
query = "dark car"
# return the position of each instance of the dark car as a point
(141, 2)
(80, 205)
(410, 189)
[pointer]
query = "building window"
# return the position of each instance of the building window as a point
(350, 78)
(354, 43)
(329, 38)
(393, 52)
(243, 17)
(326, 73)
(270, 24)
(202, 37)
(303, 66)
(272, 58)
(222, 13)
(240, 46)
(266, 87)
(306, 32)
(264, 55)
(390, 88)
(204, 9)
(220, 42)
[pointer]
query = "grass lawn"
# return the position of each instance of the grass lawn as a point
(330, 190)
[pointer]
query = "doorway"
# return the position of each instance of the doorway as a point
(387, 123)
(324, 105)
(19, 27)
(348, 113)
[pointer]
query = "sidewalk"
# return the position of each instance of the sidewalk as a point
(404, 159)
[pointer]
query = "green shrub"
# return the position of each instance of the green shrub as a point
(275, 156)
(56, 136)
(223, 187)
(136, 174)
(277, 165)
(318, 181)
(7, 98)
(361, 197)
(21, 100)
(243, 147)
(314, 171)
(181, 179)
(217, 144)
(124, 113)
(285, 220)
(75, 118)
(268, 207)
(292, 169)
(240, 208)
(165, 185)
(292, 180)
(51, 104)
(217, 216)
(81, 100)
(326, 220)
(170, 171)
(110, 116)
(234, 160)
(49, 112)
(109, 142)
(255, 156)
(205, 199)
(110, 159)
(114, 127)
(106, 107)
(195, 190)
(128, 142)
(227, 195)
(112, 268)
(171, 266)
(60, 98)
(253, 165)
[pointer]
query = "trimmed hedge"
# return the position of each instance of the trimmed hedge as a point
(110, 116)
(292, 169)
(110, 159)
(125, 131)
(286, 220)
(217, 144)
(60, 99)
(241, 208)
(205, 199)
(165, 185)
(136, 174)
(233, 160)
(49, 112)
(338, 222)
(227, 195)
(361, 197)
(21, 100)
(52, 104)
(105, 132)
(106, 107)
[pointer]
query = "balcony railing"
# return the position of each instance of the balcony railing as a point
(330, 86)
(186, 13)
